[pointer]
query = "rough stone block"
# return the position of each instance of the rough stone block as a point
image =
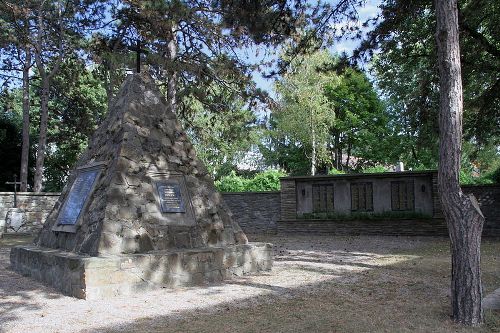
(106, 276)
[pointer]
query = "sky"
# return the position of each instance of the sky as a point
(256, 55)
(369, 10)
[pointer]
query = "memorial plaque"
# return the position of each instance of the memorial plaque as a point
(78, 195)
(170, 198)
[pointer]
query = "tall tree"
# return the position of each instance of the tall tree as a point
(222, 129)
(327, 106)
(26, 117)
(462, 212)
(304, 113)
(360, 126)
(407, 73)
(10, 138)
(193, 44)
(78, 105)
(59, 29)
(15, 30)
(49, 40)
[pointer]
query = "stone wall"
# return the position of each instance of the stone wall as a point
(258, 212)
(385, 227)
(36, 205)
(288, 204)
(488, 197)
(300, 200)
(255, 212)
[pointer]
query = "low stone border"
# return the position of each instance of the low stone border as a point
(387, 227)
(100, 277)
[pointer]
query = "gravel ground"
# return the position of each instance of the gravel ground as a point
(301, 265)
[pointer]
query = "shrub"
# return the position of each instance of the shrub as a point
(231, 183)
(466, 178)
(494, 176)
(375, 169)
(263, 181)
(334, 171)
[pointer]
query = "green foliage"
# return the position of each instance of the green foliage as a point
(407, 75)
(375, 169)
(78, 105)
(494, 176)
(479, 167)
(466, 178)
(334, 171)
(264, 181)
(323, 101)
(231, 183)
(304, 114)
(288, 155)
(222, 129)
(10, 138)
(360, 128)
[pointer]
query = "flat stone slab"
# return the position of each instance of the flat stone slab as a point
(492, 301)
(106, 276)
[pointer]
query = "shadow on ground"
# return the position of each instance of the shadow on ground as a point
(402, 286)
(318, 284)
(17, 292)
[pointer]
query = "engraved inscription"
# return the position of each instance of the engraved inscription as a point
(170, 198)
(78, 195)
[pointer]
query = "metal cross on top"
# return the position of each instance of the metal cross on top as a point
(15, 183)
(138, 51)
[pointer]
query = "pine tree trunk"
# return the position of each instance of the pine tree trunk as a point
(462, 213)
(45, 77)
(26, 120)
(337, 150)
(109, 88)
(42, 140)
(172, 78)
(313, 144)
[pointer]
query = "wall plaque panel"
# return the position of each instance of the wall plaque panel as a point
(77, 197)
(171, 200)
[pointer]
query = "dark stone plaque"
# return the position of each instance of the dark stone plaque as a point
(78, 194)
(170, 198)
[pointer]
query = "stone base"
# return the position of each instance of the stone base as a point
(100, 277)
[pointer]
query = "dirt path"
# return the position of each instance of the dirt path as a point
(318, 284)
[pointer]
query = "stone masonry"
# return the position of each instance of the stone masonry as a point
(255, 212)
(138, 147)
(35, 207)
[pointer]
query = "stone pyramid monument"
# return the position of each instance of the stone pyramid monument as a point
(139, 211)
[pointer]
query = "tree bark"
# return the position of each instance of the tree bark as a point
(313, 144)
(462, 213)
(337, 149)
(42, 139)
(45, 77)
(349, 148)
(26, 120)
(172, 78)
